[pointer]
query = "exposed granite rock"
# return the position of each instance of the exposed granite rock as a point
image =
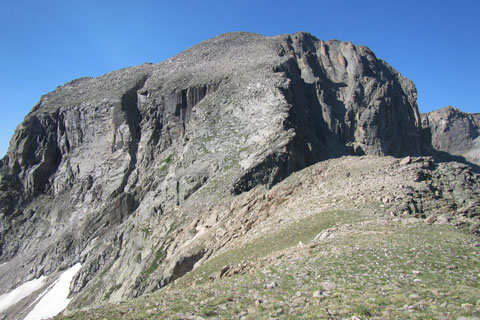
(120, 172)
(453, 132)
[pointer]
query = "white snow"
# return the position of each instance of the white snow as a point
(56, 299)
(41, 295)
(9, 299)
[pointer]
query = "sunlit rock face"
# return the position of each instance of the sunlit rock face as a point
(111, 172)
(453, 132)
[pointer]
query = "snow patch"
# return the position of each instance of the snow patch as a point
(9, 299)
(56, 299)
(41, 295)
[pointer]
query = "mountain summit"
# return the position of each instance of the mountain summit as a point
(140, 175)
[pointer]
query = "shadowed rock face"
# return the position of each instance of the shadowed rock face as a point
(109, 171)
(454, 132)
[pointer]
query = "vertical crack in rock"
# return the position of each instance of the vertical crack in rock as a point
(133, 118)
(38, 152)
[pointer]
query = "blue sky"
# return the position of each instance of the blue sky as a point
(44, 44)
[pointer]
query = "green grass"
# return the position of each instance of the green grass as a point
(167, 162)
(110, 291)
(302, 231)
(138, 258)
(157, 260)
(169, 159)
(107, 268)
(146, 232)
(381, 270)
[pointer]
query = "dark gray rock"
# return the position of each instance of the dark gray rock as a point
(105, 170)
(452, 132)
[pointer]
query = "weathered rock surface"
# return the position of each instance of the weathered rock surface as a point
(453, 132)
(136, 174)
(278, 244)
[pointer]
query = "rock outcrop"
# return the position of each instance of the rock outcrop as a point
(453, 132)
(355, 212)
(117, 172)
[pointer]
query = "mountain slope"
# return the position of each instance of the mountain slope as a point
(371, 237)
(136, 174)
(454, 132)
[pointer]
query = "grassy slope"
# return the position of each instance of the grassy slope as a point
(370, 268)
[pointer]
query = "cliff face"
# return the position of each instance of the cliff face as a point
(454, 132)
(117, 172)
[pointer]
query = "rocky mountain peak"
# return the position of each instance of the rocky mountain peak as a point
(453, 132)
(136, 174)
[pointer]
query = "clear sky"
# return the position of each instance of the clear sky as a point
(44, 44)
